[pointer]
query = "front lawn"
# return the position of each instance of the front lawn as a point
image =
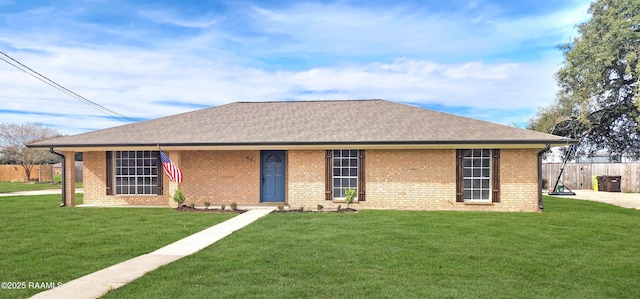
(41, 242)
(575, 249)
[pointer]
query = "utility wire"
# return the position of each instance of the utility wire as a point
(33, 73)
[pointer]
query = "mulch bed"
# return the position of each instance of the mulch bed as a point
(186, 208)
(347, 210)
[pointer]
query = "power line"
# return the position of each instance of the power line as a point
(44, 79)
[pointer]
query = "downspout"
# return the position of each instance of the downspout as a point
(546, 148)
(64, 177)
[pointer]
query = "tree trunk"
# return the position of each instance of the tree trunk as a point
(27, 172)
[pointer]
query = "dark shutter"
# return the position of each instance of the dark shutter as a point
(160, 175)
(495, 176)
(459, 176)
(328, 175)
(361, 180)
(109, 179)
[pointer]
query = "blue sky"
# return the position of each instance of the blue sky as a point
(491, 60)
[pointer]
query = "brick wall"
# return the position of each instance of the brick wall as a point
(410, 179)
(395, 179)
(415, 180)
(95, 185)
(221, 177)
(519, 179)
(305, 177)
(69, 178)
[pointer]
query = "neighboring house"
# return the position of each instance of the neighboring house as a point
(57, 170)
(307, 153)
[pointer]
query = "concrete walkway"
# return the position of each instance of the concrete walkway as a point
(98, 283)
(625, 200)
(38, 192)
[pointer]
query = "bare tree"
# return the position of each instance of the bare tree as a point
(13, 144)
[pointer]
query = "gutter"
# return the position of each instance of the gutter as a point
(310, 143)
(64, 171)
(546, 148)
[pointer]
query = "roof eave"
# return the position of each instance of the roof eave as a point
(314, 145)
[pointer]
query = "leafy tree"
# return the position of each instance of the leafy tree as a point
(13, 145)
(599, 82)
(4, 160)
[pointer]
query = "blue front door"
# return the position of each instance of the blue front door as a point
(272, 176)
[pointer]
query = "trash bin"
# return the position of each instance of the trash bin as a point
(612, 183)
(600, 179)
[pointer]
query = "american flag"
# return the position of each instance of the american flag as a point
(172, 170)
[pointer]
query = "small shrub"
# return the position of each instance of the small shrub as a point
(192, 205)
(339, 207)
(207, 204)
(281, 208)
(233, 206)
(349, 195)
(301, 209)
(320, 207)
(178, 197)
(222, 208)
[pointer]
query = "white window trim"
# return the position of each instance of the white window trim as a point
(136, 176)
(333, 175)
(490, 178)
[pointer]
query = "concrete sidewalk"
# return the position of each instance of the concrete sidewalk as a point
(625, 200)
(38, 192)
(98, 283)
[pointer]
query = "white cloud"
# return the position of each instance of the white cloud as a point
(168, 17)
(129, 81)
(549, 30)
(346, 30)
(399, 53)
(480, 70)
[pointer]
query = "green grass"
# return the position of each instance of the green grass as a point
(57, 178)
(19, 186)
(575, 249)
(41, 242)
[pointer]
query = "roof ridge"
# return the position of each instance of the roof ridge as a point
(309, 101)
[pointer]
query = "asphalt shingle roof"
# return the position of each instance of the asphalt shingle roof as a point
(306, 122)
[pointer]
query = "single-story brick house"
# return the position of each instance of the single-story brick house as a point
(307, 153)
